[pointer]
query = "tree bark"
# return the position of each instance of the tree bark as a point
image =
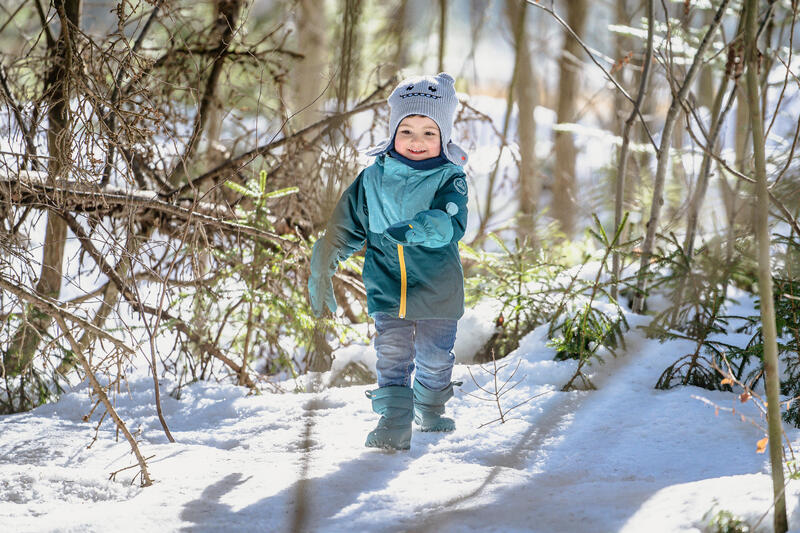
(663, 159)
(705, 82)
(57, 93)
(348, 63)
(622, 161)
(771, 372)
(526, 97)
(564, 203)
(308, 79)
(442, 32)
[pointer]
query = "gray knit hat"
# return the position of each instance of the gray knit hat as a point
(433, 97)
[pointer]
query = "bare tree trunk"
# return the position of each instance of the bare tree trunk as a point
(307, 85)
(663, 159)
(771, 373)
(319, 358)
(227, 12)
(622, 162)
(396, 28)
(730, 194)
(57, 93)
(526, 97)
(705, 82)
(442, 32)
(348, 65)
(308, 79)
(676, 191)
(564, 205)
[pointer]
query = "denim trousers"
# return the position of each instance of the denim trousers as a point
(403, 344)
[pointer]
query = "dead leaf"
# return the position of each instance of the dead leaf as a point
(726, 381)
(743, 397)
(761, 446)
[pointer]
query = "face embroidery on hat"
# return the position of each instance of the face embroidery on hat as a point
(419, 89)
(428, 96)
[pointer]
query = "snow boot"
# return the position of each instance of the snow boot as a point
(429, 407)
(396, 407)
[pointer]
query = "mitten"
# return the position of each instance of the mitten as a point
(320, 285)
(432, 228)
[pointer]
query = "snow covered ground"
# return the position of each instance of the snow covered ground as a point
(626, 457)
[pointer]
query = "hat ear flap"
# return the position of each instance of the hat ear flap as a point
(446, 78)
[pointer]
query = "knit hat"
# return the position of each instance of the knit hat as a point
(430, 96)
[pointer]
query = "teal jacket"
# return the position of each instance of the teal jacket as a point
(419, 279)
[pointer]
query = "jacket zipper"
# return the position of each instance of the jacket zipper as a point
(403, 281)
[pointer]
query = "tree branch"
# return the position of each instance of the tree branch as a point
(69, 196)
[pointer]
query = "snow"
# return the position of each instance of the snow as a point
(625, 457)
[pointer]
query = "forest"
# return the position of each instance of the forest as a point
(166, 168)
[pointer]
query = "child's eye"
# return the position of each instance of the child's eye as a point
(430, 133)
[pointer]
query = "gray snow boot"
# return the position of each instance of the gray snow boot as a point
(429, 407)
(396, 407)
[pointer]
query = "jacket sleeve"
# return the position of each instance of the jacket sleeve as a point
(452, 198)
(346, 231)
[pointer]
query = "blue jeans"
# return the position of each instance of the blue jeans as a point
(402, 343)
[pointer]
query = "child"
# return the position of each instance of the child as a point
(410, 207)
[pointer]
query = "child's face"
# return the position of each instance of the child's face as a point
(418, 138)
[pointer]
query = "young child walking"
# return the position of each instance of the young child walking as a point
(410, 208)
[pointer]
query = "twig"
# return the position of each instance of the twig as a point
(245, 158)
(113, 475)
(499, 390)
(98, 390)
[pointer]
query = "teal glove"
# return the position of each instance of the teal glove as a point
(432, 228)
(320, 284)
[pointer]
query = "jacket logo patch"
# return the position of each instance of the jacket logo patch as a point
(461, 185)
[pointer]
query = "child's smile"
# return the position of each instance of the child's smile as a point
(418, 138)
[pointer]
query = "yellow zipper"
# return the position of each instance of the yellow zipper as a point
(403, 281)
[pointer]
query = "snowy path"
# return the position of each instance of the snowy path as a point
(623, 458)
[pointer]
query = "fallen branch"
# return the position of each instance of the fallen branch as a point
(98, 390)
(28, 190)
